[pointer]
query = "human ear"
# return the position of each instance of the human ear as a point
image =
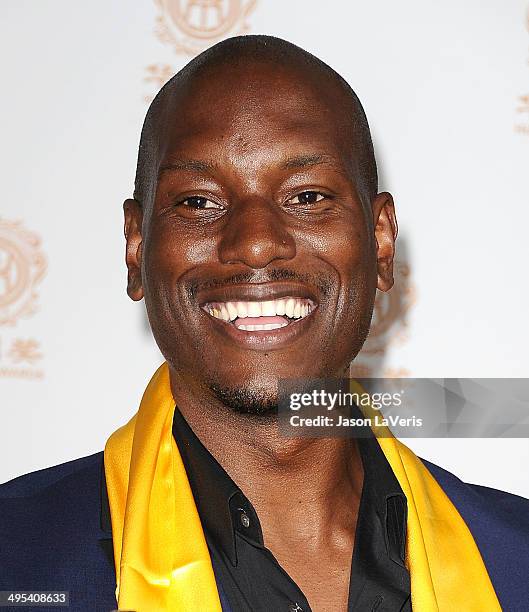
(133, 221)
(386, 230)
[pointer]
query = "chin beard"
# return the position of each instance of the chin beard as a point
(256, 402)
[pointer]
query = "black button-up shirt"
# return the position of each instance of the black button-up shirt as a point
(251, 577)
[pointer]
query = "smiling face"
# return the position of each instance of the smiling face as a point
(260, 253)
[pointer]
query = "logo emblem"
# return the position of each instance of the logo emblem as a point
(192, 25)
(22, 266)
(522, 103)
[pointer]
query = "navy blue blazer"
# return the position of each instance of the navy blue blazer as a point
(52, 536)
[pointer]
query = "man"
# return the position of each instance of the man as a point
(258, 238)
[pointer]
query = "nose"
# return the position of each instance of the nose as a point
(256, 234)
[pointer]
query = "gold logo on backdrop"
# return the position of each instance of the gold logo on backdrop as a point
(522, 103)
(24, 351)
(192, 25)
(20, 358)
(388, 326)
(22, 266)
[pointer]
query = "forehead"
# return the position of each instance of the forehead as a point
(253, 108)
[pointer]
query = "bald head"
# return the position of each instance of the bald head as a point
(258, 67)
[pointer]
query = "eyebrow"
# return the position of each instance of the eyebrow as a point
(304, 161)
(204, 166)
(194, 165)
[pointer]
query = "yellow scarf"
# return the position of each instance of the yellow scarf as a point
(161, 557)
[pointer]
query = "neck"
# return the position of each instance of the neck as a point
(307, 487)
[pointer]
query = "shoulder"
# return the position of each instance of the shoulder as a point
(51, 536)
(477, 501)
(499, 523)
(60, 499)
(55, 501)
(38, 481)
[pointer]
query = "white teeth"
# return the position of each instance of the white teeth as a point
(232, 310)
(266, 327)
(225, 315)
(242, 309)
(268, 309)
(246, 327)
(293, 308)
(254, 309)
(280, 307)
(297, 310)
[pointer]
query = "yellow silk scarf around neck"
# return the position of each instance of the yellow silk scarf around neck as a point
(161, 557)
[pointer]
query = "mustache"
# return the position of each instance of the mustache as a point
(322, 282)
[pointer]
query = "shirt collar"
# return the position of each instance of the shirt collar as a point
(223, 508)
(383, 493)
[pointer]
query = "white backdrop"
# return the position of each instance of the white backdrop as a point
(446, 89)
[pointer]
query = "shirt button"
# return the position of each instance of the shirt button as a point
(245, 519)
(295, 607)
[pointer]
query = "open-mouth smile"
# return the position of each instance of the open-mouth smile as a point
(266, 315)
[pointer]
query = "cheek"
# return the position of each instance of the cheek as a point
(171, 255)
(164, 261)
(345, 245)
(170, 251)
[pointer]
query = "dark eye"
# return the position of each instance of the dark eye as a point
(307, 197)
(198, 202)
